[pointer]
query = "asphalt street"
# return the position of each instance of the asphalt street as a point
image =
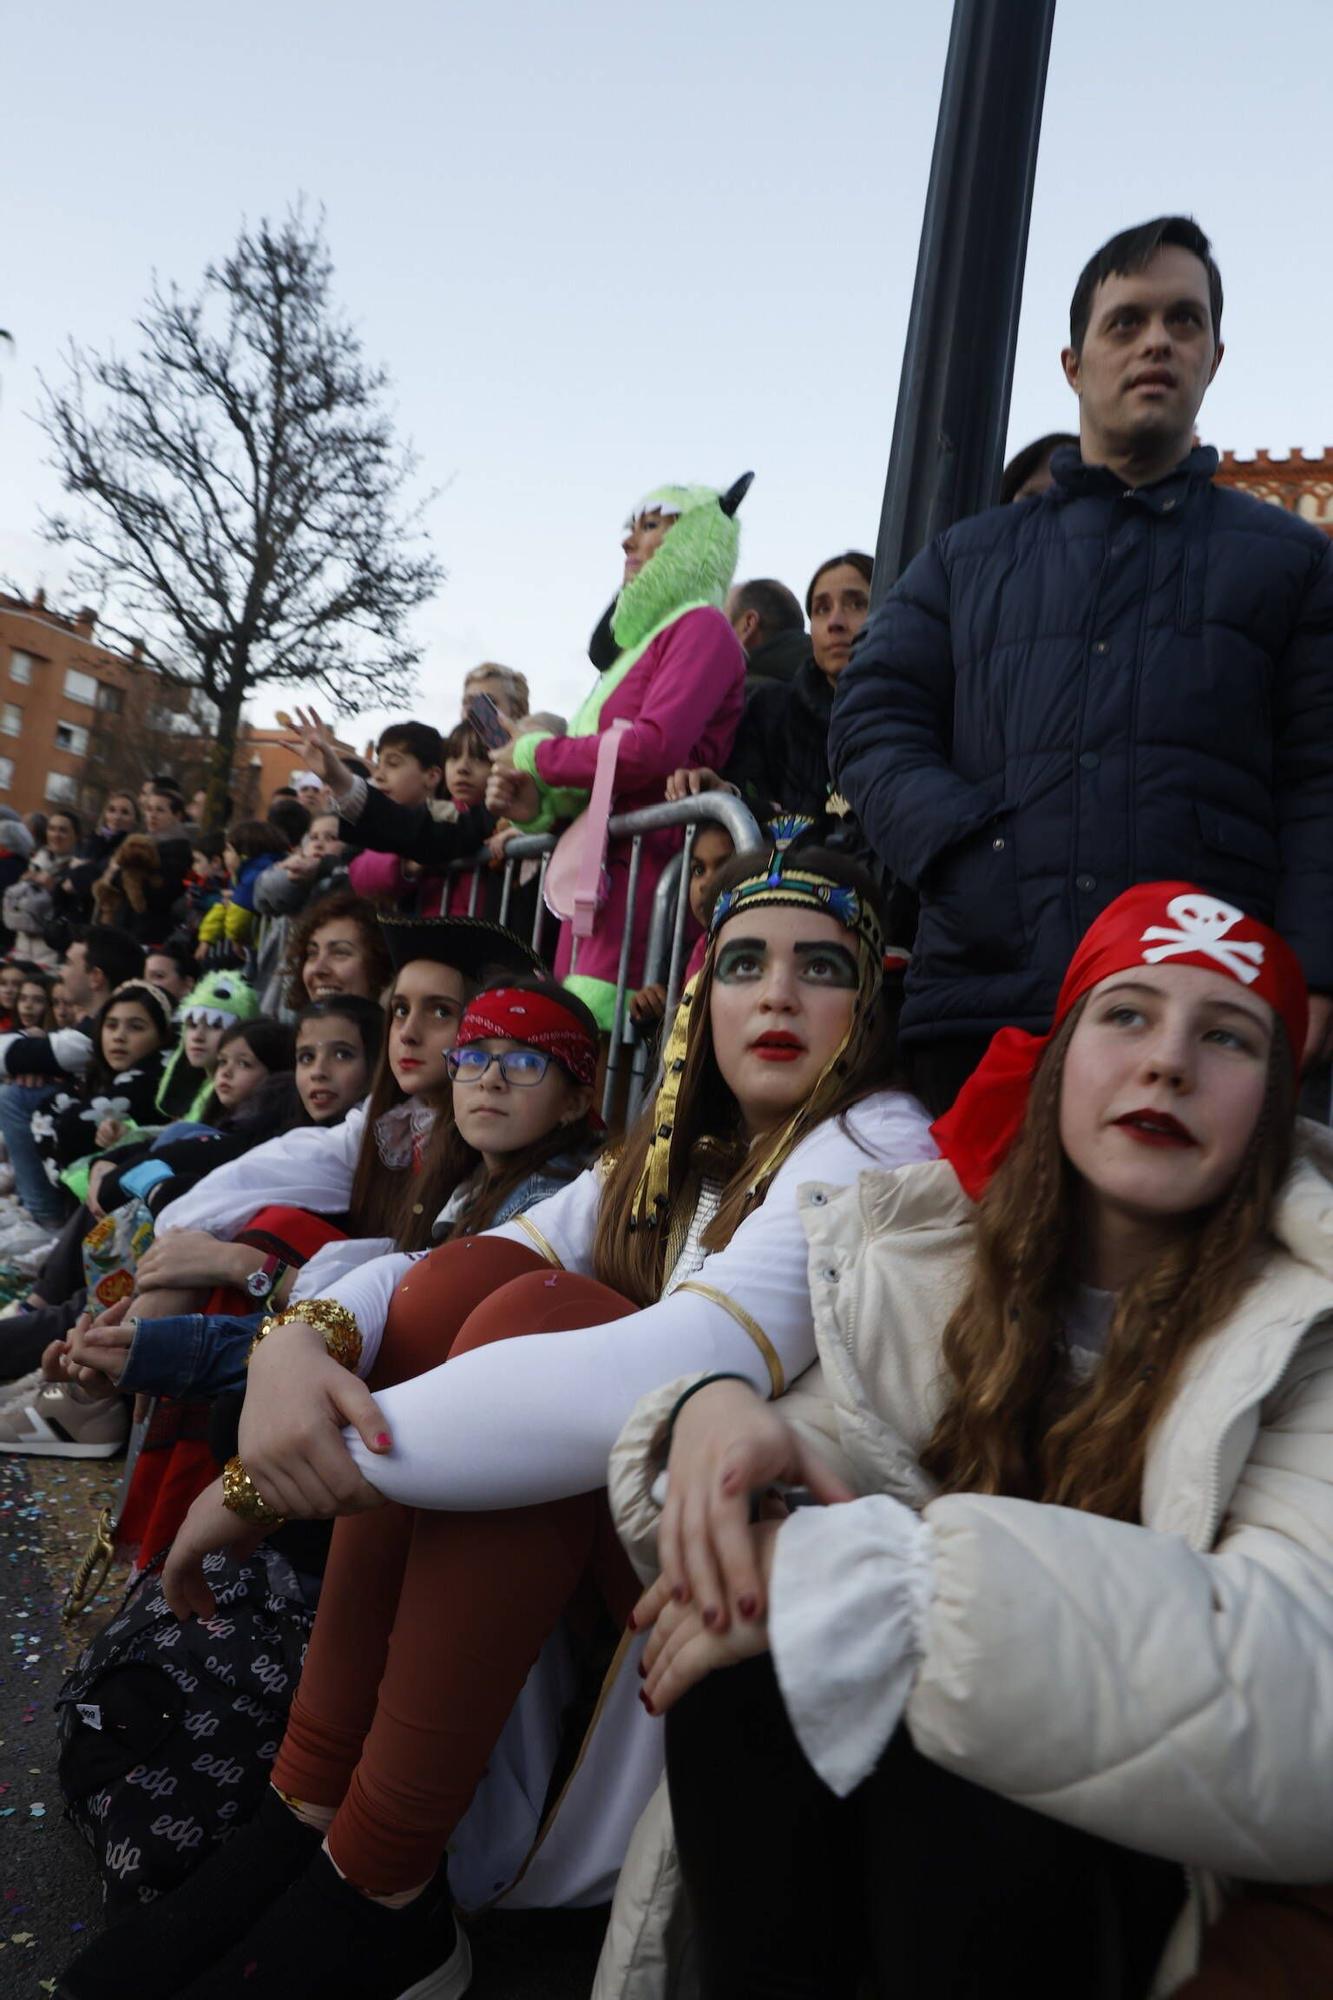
(50, 1897)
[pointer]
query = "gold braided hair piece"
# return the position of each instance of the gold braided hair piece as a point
(782, 886)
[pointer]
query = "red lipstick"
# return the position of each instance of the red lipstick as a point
(1156, 1128)
(777, 1046)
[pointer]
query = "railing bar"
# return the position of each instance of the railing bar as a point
(678, 931)
(622, 978)
(506, 888)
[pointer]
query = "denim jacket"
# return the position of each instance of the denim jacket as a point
(204, 1354)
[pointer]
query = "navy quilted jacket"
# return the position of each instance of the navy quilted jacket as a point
(1095, 687)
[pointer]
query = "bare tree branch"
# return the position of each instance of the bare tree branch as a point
(238, 493)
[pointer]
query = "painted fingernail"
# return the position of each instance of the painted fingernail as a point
(710, 1615)
(747, 1606)
(647, 1704)
(680, 1593)
(643, 1671)
(382, 1440)
(631, 1623)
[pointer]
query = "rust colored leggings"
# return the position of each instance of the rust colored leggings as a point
(429, 1623)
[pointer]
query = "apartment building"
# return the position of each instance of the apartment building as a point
(58, 686)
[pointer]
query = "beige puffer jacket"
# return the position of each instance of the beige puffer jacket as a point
(1181, 1700)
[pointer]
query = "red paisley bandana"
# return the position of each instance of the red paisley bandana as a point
(536, 1020)
(1157, 923)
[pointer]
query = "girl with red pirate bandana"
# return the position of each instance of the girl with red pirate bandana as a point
(1021, 1715)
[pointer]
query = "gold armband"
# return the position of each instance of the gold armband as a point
(244, 1499)
(342, 1335)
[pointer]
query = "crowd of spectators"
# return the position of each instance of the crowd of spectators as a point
(868, 1521)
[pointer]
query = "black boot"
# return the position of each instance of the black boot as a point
(156, 1951)
(323, 1937)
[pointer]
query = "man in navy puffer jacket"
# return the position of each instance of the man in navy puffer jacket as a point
(1128, 677)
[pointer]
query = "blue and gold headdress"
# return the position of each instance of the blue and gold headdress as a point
(784, 883)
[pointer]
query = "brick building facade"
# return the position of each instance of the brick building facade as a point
(58, 689)
(1302, 485)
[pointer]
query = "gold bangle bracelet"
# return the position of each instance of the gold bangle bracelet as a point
(337, 1324)
(243, 1498)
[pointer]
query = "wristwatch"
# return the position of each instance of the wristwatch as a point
(261, 1283)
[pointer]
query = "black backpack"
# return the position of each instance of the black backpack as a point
(168, 1730)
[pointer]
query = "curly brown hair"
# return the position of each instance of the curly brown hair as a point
(1015, 1423)
(346, 905)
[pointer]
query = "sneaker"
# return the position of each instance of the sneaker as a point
(21, 1390)
(323, 1937)
(65, 1421)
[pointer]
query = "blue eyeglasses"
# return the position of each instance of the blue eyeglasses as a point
(522, 1067)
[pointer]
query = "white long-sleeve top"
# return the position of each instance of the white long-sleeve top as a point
(534, 1418)
(312, 1167)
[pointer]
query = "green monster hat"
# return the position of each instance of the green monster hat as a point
(694, 565)
(221, 999)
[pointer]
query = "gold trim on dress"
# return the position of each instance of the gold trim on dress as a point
(756, 1332)
(529, 1228)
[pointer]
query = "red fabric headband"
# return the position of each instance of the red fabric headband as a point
(1157, 923)
(536, 1020)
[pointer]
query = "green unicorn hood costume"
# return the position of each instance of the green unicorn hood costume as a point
(220, 999)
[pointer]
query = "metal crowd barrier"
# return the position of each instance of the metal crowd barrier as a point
(665, 958)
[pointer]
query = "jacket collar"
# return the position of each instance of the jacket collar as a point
(1076, 481)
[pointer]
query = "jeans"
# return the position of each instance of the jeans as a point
(44, 1203)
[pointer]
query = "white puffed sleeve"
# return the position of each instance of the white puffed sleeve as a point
(309, 1168)
(848, 1599)
(534, 1418)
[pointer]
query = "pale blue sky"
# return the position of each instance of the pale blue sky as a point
(599, 246)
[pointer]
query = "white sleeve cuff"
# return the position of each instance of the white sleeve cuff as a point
(850, 1590)
(353, 803)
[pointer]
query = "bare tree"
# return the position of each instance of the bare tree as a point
(242, 490)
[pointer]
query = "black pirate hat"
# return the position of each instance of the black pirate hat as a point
(471, 945)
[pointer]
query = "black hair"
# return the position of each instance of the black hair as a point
(253, 837)
(366, 1015)
(1024, 463)
(420, 740)
(1131, 251)
(463, 739)
(110, 952)
(209, 844)
(151, 1001)
(357, 766)
(178, 952)
(777, 608)
(856, 558)
(290, 818)
(284, 792)
(66, 812)
(173, 798)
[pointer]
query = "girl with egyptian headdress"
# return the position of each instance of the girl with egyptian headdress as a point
(684, 1254)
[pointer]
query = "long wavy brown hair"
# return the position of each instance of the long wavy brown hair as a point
(708, 1123)
(1014, 1422)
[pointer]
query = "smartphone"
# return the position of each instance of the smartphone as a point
(484, 716)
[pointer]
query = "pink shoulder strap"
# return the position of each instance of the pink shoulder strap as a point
(588, 889)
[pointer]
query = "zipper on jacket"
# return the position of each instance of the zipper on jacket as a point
(1210, 1522)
